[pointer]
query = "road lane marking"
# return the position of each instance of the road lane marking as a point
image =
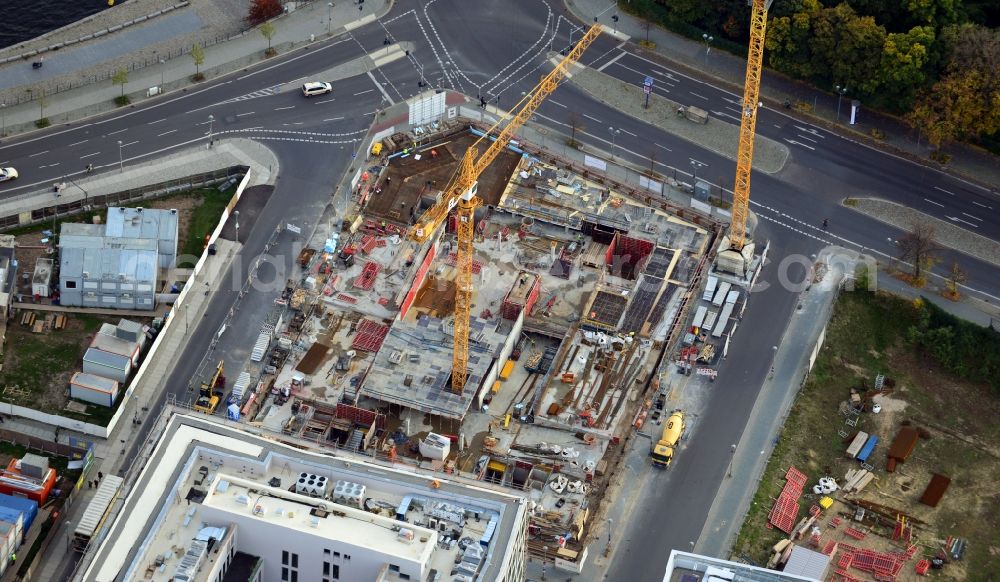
(934, 203)
(363, 92)
(247, 113)
(554, 102)
(592, 118)
(629, 132)
(157, 121)
(90, 155)
(385, 93)
(972, 217)
(724, 114)
(810, 131)
(78, 143)
(945, 191)
(798, 143)
(806, 138)
(38, 153)
(285, 62)
(611, 62)
(130, 143)
(957, 219)
(119, 131)
(982, 205)
(49, 166)
(283, 108)
(698, 161)
(333, 119)
(324, 101)
(164, 133)
(663, 146)
(204, 122)
(698, 96)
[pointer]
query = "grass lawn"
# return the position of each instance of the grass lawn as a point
(867, 336)
(205, 215)
(40, 365)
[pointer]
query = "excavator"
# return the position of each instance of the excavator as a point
(211, 393)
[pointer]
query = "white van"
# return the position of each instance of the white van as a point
(315, 88)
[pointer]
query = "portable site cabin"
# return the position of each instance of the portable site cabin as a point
(97, 511)
(106, 364)
(10, 540)
(94, 389)
(28, 508)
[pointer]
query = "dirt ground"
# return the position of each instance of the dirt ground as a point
(407, 178)
(865, 337)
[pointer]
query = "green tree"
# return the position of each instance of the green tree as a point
(198, 56)
(120, 77)
(965, 103)
(267, 31)
(788, 47)
(904, 66)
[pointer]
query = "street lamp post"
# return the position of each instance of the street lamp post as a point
(236, 216)
(614, 133)
(695, 164)
(211, 124)
(162, 62)
(329, 18)
(607, 548)
(708, 38)
(545, 561)
(840, 95)
(3, 116)
(121, 159)
(732, 453)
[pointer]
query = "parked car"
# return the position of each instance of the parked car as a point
(7, 174)
(315, 88)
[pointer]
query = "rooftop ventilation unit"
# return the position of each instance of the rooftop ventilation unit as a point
(311, 485)
(187, 569)
(348, 493)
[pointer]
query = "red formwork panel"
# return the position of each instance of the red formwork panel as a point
(370, 336)
(452, 260)
(793, 475)
(783, 513)
(845, 560)
(830, 548)
(858, 535)
(366, 280)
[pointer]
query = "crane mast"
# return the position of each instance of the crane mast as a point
(460, 194)
(737, 251)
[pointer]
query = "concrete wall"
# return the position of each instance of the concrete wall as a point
(508, 348)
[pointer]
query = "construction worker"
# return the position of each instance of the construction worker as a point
(826, 223)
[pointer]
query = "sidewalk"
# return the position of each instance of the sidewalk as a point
(311, 23)
(718, 65)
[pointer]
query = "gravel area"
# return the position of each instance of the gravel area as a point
(219, 18)
(717, 136)
(947, 234)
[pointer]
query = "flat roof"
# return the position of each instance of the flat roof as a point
(421, 383)
(195, 454)
(688, 567)
(235, 496)
(99, 356)
(142, 223)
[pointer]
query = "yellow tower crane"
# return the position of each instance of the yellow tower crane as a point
(737, 252)
(461, 193)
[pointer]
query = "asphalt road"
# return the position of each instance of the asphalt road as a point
(498, 48)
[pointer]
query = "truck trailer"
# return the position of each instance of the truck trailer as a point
(663, 450)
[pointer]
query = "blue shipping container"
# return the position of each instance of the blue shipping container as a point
(866, 450)
(12, 516)
(29, 507)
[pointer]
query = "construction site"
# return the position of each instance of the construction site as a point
(885, 465)
(578, 285)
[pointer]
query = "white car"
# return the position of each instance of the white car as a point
(315, 88)
(7, 174)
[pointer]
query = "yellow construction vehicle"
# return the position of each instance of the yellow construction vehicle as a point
(663, 451)
(737, 252)
(211, 393)
(460, 194)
